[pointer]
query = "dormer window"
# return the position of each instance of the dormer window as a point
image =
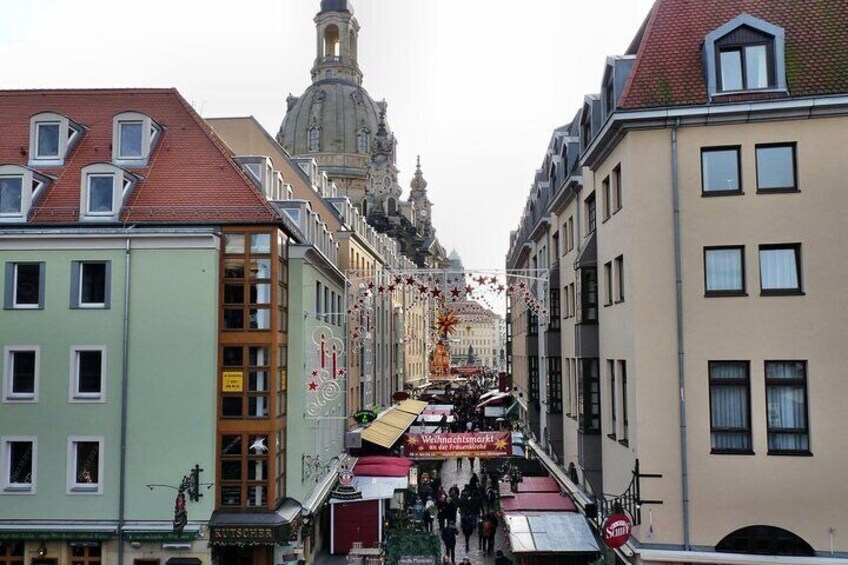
(104, 188)
(20, 187)
(52, 136)
(744, 67)
(133, 137)
(745, 54)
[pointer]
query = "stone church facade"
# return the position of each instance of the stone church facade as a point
(337, 123)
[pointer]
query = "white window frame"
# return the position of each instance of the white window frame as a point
(150, 133)
(7, 488)
(69, 134)
(14, 282)
(74, 395)
(8, 395)
(73, 487)
(122, 182)
(106, 282)
(32, 185)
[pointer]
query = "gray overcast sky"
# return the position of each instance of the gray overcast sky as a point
(474, 86)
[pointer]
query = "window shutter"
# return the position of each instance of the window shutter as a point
(42, 279)
(75, 283)
(107, 297)
(9, 288)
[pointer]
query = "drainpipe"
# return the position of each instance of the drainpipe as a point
(681, 374)
(124, 393)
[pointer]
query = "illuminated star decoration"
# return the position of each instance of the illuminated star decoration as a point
(446, 322)
(500, 444)
(411, 441)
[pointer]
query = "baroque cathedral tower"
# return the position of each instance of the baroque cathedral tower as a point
(337, 123)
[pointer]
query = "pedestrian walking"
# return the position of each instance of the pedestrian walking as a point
(468, 523)
(459, 463)
(490, 526)
(449, 538)
(430, 513)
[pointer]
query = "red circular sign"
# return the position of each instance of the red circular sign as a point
(617, 530)
(345, 477)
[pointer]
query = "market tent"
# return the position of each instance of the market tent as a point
(382, 466)
(550, 532)
(412, 406)
(393, 423)
(531, 484)
(538, 501)
(376, 488)
(496, 399)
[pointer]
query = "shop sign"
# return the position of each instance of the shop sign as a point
(233, 381)
(617, 530)
(477, 444)
(365, 416)
(162, 536)
(252, 535)
(48, 536)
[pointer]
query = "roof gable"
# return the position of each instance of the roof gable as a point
(669, 70)
(190, 177)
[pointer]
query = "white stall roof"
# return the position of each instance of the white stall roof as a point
(376, 488)
(550, 532)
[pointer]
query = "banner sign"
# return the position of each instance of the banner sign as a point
(478, 444)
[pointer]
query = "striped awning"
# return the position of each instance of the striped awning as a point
(398, 419)
(412, 406)
(382, 434)
(393, 423)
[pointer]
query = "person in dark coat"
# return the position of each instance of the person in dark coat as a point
(449, 533)
(490, 526)
(442, 511)
(468, 523)
(501, 559)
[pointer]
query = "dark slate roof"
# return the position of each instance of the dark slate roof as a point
(191, 177)
(669, 68)
(336, 6)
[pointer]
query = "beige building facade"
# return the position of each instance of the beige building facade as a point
(698, 224)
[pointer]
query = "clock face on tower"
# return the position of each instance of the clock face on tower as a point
(423, 213)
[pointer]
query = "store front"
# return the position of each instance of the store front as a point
(252, 537)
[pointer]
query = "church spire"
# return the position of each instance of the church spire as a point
(419, 183)
(338, 38)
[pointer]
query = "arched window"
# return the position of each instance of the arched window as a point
(331, 41)
(365, 208)
(362, 141)
(314, 139)
(765, 540)
(392, 207)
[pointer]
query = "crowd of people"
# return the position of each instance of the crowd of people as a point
(457, 514)
(454, 511)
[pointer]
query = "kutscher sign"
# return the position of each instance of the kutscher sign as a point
(479, 444)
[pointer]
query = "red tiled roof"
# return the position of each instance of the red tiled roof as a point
(190, 177)
(669, 69)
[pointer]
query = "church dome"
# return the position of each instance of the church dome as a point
(345, 117)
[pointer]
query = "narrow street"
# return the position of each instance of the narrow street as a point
(452, 476)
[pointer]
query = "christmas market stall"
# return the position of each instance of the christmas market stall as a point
(360, 502)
